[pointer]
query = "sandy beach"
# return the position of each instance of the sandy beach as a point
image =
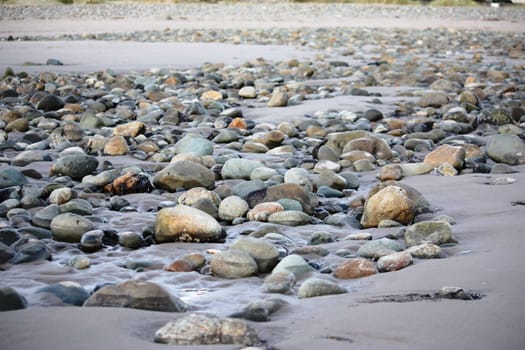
(375, 312)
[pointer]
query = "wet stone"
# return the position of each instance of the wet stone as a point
(187, 224)
(70, 227)
(65, 293)
(44, 216)
(263, 252)
(355, 268)
(136, 295)
(31, 251)
(184, 174)
(379, 247)
(391, 203)
(10, 299)
(79, 262)
(435, 232)
(6, 253)
(394, 261)
(11, 177)
(260, 310)
(314, 287)
(199, 329)
(294, 264)
(75, 165)
(232, 264)
(91, 241)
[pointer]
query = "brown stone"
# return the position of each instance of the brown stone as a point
(355, 268)
(116, 146)
(315, 131)
(179, 265)
(292, 191)
(74, 107)
(279, 98)
(338, 140)
(8, 116)
(454, 155)
(354, 156)
(187, 224)
(390, 203)
(472, 151)
(394, 123)
(391, 172)
(272, 138)
(148, 146)
(373, 145)
(20, 124)
(131, 129)
(212, 95)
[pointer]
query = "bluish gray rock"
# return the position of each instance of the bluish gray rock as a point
(238, 168)
(69, 293)
(508, 149)
(194, 144)
(31, 251)
(11, 177)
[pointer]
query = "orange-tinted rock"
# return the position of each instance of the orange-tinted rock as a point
(262, 211)
(355, 268)
(454, 155)
(238, 123)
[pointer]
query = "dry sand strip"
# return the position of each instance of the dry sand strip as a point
(489, 229)
(54, 27)
(90, 56)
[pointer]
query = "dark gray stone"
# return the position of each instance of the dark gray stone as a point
(31, 251)
(11, 300)
(136, 295)
(67, 293)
